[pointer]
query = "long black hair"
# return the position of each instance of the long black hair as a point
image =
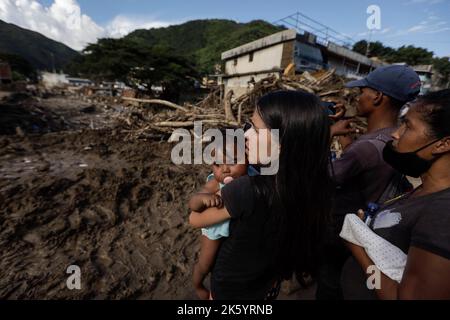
(300, 192)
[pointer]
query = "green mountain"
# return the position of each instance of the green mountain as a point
(40, 51)
(202, 41)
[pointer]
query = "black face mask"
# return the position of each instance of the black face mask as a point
(408, 163)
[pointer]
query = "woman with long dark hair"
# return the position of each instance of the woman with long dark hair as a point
(277, 221)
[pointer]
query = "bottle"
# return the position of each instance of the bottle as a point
(372, 208)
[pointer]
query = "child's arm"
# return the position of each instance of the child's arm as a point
(209, 217)
(206, 197)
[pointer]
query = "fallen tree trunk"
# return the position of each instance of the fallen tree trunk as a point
(182, 124)
(157, 101)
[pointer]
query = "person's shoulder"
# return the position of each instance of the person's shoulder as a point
(364, 151)
(242, 184)
(242, 181)
(437, 206)
(238, 196)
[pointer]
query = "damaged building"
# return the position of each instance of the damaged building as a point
(253, 61)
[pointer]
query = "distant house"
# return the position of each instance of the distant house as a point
(5, 73)
(272, 54)
(78, 82)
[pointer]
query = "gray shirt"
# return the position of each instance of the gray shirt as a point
(361, 174)
(422, 222)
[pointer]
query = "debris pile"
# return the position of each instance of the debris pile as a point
(222, 109)
(20, 113)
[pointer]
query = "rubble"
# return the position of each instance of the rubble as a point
(87, 179)
(223, 110)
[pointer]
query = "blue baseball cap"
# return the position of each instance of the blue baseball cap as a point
(400, 82)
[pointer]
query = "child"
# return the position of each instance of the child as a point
(206, 198)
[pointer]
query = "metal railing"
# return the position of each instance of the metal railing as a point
(323, 33)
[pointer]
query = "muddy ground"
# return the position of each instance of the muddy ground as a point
(73, 192)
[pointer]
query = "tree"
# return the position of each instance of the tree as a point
(442, 65)
(21, 68)
(376, 49)
(409, 54)
(134, 63)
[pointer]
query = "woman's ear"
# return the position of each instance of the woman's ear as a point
(443, 146)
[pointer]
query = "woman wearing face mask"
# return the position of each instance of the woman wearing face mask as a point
(418, 222)
(277, 220)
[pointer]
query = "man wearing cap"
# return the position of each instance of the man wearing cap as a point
(361, 175)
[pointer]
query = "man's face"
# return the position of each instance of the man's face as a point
(366, 100)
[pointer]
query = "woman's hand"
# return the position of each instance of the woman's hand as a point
(356, 250)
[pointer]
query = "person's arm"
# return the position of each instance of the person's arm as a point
(346, 167)
(357, 157)
(342, 127)
(238, 199)
(426, 275)
(388, 287)
(209, 217)
(206, 197)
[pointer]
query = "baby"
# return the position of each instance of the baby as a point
(208, 197)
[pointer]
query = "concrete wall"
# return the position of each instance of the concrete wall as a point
(259, 44)
(264, 59)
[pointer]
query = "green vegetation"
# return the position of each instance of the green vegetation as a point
(203, 41)
(41, 52)
(134, 63)
(21, 68)
(410, 54)
(169, 57)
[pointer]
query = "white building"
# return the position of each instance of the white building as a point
(272, 54)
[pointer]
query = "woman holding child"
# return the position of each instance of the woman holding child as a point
(276, 222)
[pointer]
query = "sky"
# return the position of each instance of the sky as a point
(424, 23)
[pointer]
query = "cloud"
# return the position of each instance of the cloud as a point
(122, 25)
(63, 21)
(416, 28)
(431, 25)
(438, 30)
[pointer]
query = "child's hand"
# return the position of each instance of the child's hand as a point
(211, 200)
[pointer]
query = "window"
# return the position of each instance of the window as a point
(250, 57)
(235, 62)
